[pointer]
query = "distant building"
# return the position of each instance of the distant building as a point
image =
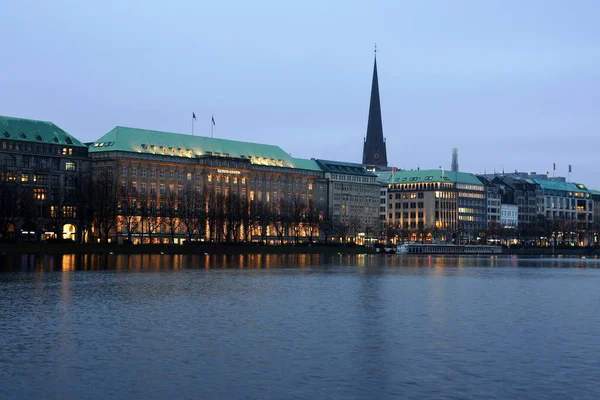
(522, 192)
(509, 215)
(429, 199)
(43, 178)
(238, 190)
(454, 166)
(374, 148)
(353, 196)
(566, 201)
(493, 196)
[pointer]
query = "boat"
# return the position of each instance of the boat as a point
(427, 248)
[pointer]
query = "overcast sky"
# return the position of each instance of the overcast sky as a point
(511, 84)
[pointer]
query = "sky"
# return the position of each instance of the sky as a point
(514, 85)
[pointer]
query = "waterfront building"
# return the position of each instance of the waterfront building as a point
(174, 187)
(374, 147)
(493, 196)
(43, 177)
(566, 202)
(353, 198)
(522, 192)
(509, 215)
(436, 201)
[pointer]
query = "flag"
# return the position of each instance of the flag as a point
(194, 116)
(553, 166)
(213, 119)
(570, 169)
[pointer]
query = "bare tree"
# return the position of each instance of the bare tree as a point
(105, 203)
(130, 212)
(170, 215)
(297, 216)
(262, 218)
(9, 191)
(311, 220)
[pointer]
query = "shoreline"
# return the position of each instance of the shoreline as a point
(236, 249)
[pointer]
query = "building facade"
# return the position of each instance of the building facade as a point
(353, 197)
(43, 178)
(509, 216)
(174, 187)
(566, 202)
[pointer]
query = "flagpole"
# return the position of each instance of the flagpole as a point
(211, 128)
(192, 126)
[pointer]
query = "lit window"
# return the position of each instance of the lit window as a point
(70, 166)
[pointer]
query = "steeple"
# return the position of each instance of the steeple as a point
(374, 152)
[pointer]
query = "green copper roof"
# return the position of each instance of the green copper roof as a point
(341, 167)
(187, 146)
(563, 186)
(303, 163)
(433, 175)
(29, 130)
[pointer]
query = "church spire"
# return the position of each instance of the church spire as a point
(374, 151)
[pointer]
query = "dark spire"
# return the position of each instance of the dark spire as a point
(374, 152)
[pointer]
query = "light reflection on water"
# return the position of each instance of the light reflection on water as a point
(298, 326)
(155, 262)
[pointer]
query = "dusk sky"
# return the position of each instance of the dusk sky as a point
(511, 84)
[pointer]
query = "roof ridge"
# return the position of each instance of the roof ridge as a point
(28, 119)
(190, 136)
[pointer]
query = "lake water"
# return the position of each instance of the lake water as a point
(301, 326)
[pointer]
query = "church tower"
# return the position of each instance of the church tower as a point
(374, 152)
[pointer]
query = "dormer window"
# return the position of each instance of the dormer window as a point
(6, 134)
(23, 136)
(38, 137)
(55, 140)
(68, 140)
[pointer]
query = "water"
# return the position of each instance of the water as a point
(304, 326)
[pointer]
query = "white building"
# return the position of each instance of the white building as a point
(509, 215)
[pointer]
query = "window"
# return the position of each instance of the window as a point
(124, 171)
(134, 172)
(143, 188)
(39, 194)
(40, 179)
(67, 151)
(189, 176)
(162, 174)
(171, 175)
(162, 189)
(180, 176)
(153, 188)
(153, 173)
(24, 177)
(143, 173)
(70, 166)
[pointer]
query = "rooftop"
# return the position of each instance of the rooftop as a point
(32, 131)
(146, 141)
(563, 186)
(431, 175)
(340, 167)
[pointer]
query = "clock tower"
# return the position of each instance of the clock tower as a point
(374, 151)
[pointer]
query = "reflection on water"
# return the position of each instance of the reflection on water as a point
(155, 262)
(298, 326)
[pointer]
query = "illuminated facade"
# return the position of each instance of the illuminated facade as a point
(43, 171)
(435, 200)
(273, 194)
(353, 196)
(565, 201)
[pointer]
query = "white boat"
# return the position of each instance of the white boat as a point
(422, 248)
